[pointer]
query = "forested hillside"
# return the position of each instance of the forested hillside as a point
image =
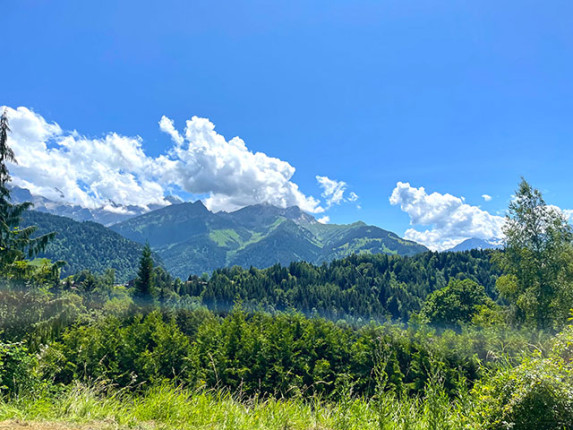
(366, 286)
(86, 245)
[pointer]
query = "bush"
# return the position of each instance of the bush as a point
(143, 350)
(16, 369)
(538, 394)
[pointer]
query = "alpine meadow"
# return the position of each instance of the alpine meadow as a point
(413, 272)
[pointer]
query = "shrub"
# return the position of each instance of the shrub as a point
(16, 368)
(538, 394)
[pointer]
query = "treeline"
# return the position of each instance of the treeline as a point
(379, 286)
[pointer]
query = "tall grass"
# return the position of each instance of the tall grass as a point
(167, 407)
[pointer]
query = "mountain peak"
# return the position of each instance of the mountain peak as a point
(173, 199)
(200, 204)
(359, 223)
(191, 239)
(111, 213)
(267, 214)
(475, 243)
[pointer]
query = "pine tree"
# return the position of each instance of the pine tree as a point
(15, 243)
(144, 281)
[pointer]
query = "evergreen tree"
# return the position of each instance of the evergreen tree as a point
(15, 243)
(536, 260)
(144, 281)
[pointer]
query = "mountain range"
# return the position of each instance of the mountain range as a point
(107, 215)
(189, 239)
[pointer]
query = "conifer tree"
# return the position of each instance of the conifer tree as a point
(144, 280)
(15, 243)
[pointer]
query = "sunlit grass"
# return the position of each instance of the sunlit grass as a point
(168, 407)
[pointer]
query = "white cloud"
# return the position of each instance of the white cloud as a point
(324, 220)
(68, 167)
(450, 219)
(203, 162)
(333, 191)
(166, 125)
(88, 172)
(486, 197)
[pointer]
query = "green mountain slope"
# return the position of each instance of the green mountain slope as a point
(86, 245)
(191, 240)
(283, 244)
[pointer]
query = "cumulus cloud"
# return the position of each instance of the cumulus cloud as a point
(204, 162)
(166, 125)
(324, 220)
(65, 166)
(333, 191)
(450, 219)
(486, 197)
(68, 167)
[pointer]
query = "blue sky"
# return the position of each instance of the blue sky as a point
(458, 97)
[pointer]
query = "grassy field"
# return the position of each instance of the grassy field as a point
(167, 407)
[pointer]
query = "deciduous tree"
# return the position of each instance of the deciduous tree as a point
(536, 261)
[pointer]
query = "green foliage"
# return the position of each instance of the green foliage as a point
(358, 288)
(455, 304)
(144, 283)
(537, 260)
(371, 375)
(167, 407)
(146, 350)
(537, 394)
(16, 369)
(86, 246)
(282, 355)
(36, 315)
(40, 313)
